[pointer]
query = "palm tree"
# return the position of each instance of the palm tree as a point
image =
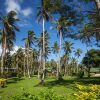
(19, 55)
(61, 26)
(55, 49)
(35, 57)
(64, 63)
(78, 54)
(47, 51)
(73, 65)
(97, 2)
(68, 46)
(45, 16)
(8, 33)
(28, 42)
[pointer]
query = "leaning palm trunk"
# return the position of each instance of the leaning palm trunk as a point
(28, 62)
(3, 55)
(43, 52)
(2, 62)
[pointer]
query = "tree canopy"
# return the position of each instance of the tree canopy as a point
(92, 58)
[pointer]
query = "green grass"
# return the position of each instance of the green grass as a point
(64, 87)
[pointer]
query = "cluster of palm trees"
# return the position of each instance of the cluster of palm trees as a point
(8, 34)
(39, 55)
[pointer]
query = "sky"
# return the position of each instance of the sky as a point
(26, 10)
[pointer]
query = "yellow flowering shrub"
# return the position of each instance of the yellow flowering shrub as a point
(2, 82)
(90, 92)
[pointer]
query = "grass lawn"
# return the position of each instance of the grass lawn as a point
(64, 87)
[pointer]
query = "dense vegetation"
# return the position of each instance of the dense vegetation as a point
(70, 22)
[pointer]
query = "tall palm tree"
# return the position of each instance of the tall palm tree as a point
(29, 40)
(55, 49)
(73, 65)
(35, 57)
(43, 15)
(68, 46)
(78, 53)
(8, 33)
(64, 61)
(61, 26)
(47, 50)
(19, 55)
(97, 3)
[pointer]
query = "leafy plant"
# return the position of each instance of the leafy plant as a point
(44, 95)
(91, 92)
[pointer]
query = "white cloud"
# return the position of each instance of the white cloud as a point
(12, 5)
(15, 48)
(27, 11)
(15, 6)
(0, 50)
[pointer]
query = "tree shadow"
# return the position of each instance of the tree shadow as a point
(71, 82)
(91, 80)
(61, 82)
(1, 92)
(14, 80)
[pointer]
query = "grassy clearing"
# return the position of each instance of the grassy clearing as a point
(64, 87)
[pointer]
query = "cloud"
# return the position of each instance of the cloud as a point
(15, 48)
(12, 5)
(27, 11)
(0, 50)
(15, 6)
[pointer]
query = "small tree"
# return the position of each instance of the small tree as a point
(91, 59)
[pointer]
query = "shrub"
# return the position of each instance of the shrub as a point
(3, 82)
(91, 92)
(80, 74)
(44, 95)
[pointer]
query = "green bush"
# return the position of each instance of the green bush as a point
(44, 95)
(80, 74)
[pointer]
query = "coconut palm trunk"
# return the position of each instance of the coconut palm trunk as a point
(43, 51)
(3, 54)
(97, 2)
(77, 67)
(59, 68)
(28, 62)
(60, 51)
(32, 71)
(2, 61)
(39, 64)
(24, 63)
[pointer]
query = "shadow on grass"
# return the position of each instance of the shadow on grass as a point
(70, 82)
(14, 80)
(1, 92)
(62, 82)
(91, 80)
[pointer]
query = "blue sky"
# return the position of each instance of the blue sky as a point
(26, 10)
